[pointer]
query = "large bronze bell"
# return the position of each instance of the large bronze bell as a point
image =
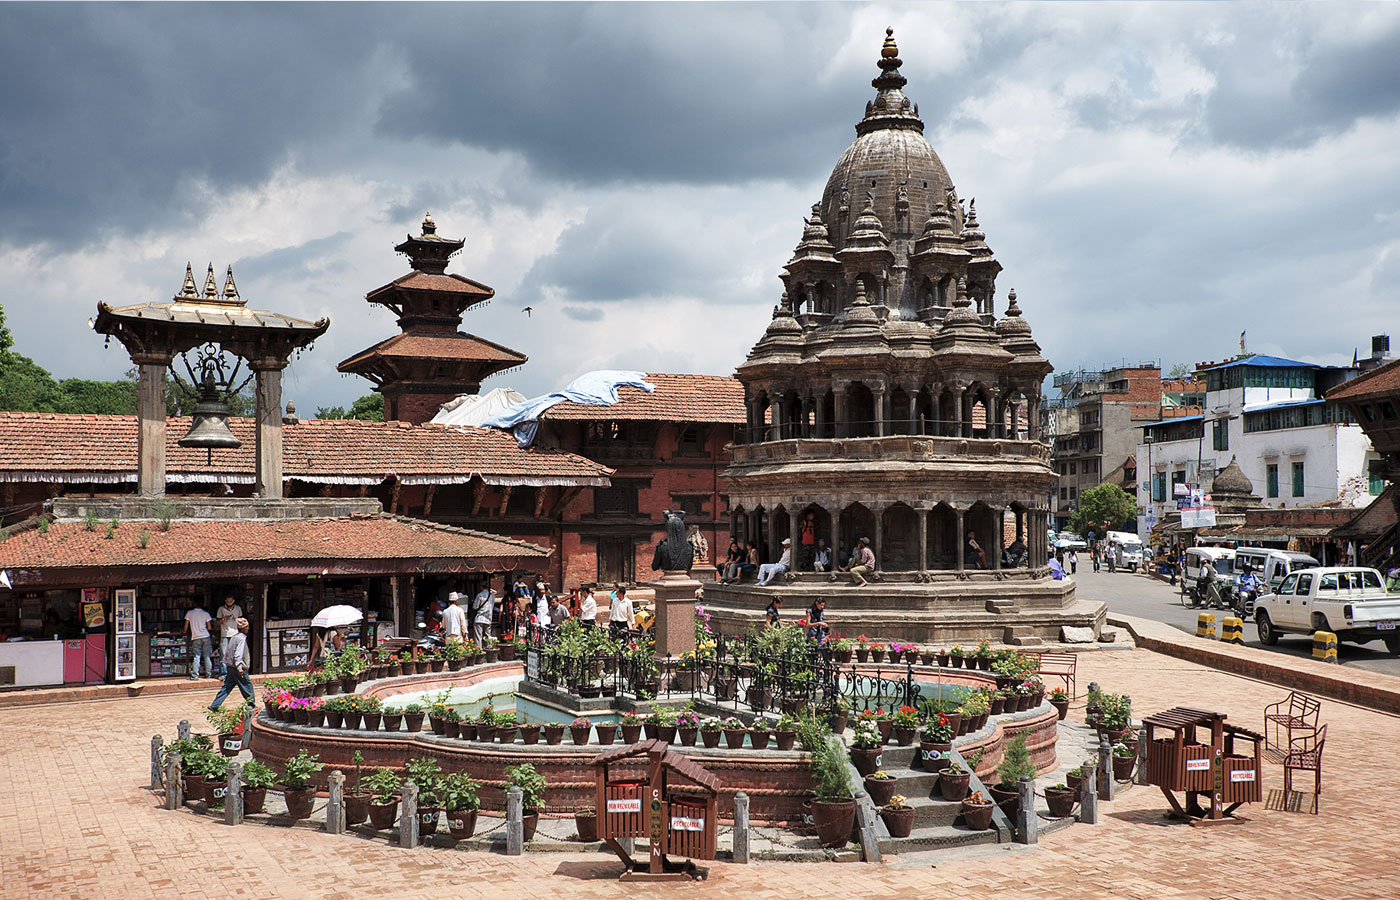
(209, 422)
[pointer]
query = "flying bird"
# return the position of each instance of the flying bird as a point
(527, 311)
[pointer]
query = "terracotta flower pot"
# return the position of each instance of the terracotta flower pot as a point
(955, 720)
(456, 665)
(422, 666)
(886, 729)
(586, 821)
(356, 808)
(652, 730)
(580, 733)
(785, 739)
(932, 755)
(461, 823)
(880, 789)
(666, 733)
(335, 719)
(711, 738)
(998, 706)
(833, 821)
(606, 733)
(428, 817)
(838, 723)
(842, 656)
(734, 737)
(467, 731)
(438, 724)
(254, 799)
(529, 734)
(553, 732)
(299, 801)
(952, 784)
(865, 761)
(942, 659)
(905, 737)
(927, 658)
(382, 815)
(1060, 801)
(687, 736)
(758, 738)
(1008, 797)
(316, 718)
(977, 817)
(530, 821)
(899, 822)
(631, 733)
(372, 721)
(758, 698)
(492, 655)
(352, 721)
(1123, 767)
(505, 652)
(451, 729)
(413, 722)
(862, 654)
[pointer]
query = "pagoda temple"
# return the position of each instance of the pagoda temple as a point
(429, 362)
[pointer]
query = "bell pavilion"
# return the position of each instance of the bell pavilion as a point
(887, 400)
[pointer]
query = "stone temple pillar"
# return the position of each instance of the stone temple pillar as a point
(269, 419)
(962, 538)
(150, 435)
(923, 540)
(675, 613)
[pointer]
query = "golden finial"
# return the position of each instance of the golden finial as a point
(211, 287)
(188, 289)
(230, 289)
(890, 50)
(429, 226)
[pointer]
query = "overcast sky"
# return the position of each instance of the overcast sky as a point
(1154, 178)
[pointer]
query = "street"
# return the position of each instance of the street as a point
(1138, 595)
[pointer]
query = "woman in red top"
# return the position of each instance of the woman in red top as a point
(808, 539)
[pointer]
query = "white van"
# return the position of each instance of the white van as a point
(1130, 548)
(1219, 558)
(1270, 566)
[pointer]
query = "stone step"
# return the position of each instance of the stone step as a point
(934, 812)
(936, 837)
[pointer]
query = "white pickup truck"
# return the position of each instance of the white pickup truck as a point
(1347, 601)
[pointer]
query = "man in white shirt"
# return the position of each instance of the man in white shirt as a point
(620, 615)
(588, 609)
(483, 612)
(542, 611)
(197, 629)
(454, 619)
(227, 616)
(769, 571)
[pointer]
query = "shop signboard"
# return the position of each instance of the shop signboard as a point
(124, 616)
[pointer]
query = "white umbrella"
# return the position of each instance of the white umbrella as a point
(336, 616)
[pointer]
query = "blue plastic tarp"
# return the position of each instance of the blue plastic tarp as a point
(591, 388)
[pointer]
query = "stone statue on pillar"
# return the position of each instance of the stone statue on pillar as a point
(675, 591)
(674, 552)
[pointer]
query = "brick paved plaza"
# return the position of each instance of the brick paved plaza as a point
(77, 821)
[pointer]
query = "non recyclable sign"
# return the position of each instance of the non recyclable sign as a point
(634, 805)
(1242, 775)
(687, 823)
(1198, 765)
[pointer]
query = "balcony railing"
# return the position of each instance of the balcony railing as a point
(866, 428)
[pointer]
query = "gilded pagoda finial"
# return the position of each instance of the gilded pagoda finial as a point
(890, 50)
(211, 287)
(429, 226)
(231, 289)
(188, 290)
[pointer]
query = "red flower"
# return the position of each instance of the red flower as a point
(942, 719)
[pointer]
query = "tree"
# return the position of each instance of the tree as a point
(1102, 508)
(1181, 370)
(369, 408)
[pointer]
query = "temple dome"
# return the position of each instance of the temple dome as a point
(1231, 480)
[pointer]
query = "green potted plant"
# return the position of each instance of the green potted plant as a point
(356, 797)
(215, 771)
(1060, 800)
(426, 773)
(530, 733)
(372, 710)
(1124, 759)
(898, 816)
(531, 784)
(229, 724)
(554, 731)
(461, 802)
(413, 717)
(1015, 764)
(935, 740)
(451, 723)
(984, 655)
(1059, 698)
(837, 712)
(586, 823)
(257, 778)
(384, 787)
(880, 786)
(734, 732)
(631, 728)
(1074, 778)
(952, 781)
(785, 733)
(759, 734)
(297, 788)
(505, 728)
(906, 725)
(977, 811)
(834, 807)
(865, 748)
(842, 648)
(393, 718)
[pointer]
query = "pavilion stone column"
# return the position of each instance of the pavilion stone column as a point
(842, 428)
(772, 533)
(269, 419)
(879, 538)
(150, 436)
(882, 413)
(835, 535)
(999, 517)
(794, 537)
(819, 416)
(962, 538)
(1033, 418)
(996, 427)
(779, 420)
(958, 392)
(923, 540)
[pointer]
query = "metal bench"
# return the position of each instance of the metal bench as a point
(1296, 713)
(1305, 755)
(1060, 665)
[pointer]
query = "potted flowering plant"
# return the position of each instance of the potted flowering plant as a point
(977, 811)
(984, 655)
(529, 732)
(877, 651)
(297, 789)
(666, 724)
(711, 729)
(229, 724)
(880, 786)
(883, 723)
(384, 788)
(631, 728)
(687, 728)
(953, 780)
(865, 747)
(898, 816)
(842, 648)
(1059, 698)
(580, 729)
(862, 648)
(606, 731)
(936, 739)
(837, 713)
(906, 725)
(759, 734)
(1124, 759)
(451, 723)
(734, 733)
(461, 802)
(393, 718)
(955, 655)
(454, 652)
(257, 778)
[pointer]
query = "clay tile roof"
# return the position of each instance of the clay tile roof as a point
(677, 398)
(102, 449)
(428, 281)
(438, 346)
(1379, 381)
(70, 544)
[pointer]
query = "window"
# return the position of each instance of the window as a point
(1329, 582)
(617, 500)
(1297, 479)
(1288, 583)
(1271, 477)
(1064, 493)
(1074, 493)
(1159, 486)
(1387, 409)
(692, 438)
(1072, 469)
(1220, 435)
(1375, 476)
(1304, 584)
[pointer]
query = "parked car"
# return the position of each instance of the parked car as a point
(1271, 566)
(1349, 601)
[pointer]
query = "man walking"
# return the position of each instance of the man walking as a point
(588, 609)
(620, 615)
(226, 616)
(454, 619)
(862, 563)
(236, 666)
(483, 611)
(769, 571)
(197, 630)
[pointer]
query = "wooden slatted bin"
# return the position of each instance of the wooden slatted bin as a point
(625, 808)
(1196, 773)
(691, 829)
(1241, 782)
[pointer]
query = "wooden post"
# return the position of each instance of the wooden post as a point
(408, 816)
(233, 795)
(269, 434)
(515, 821)
(741, 827)
(182, 731)
(1026, 819)
(1105, 769)
(174, 793)
(866, 817)
(156, 776)
(1089, 794)
(335, 806)
(150, 435)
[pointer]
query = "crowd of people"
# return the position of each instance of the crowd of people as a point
(486, 614)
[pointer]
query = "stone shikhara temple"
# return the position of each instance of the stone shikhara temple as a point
(887, 399)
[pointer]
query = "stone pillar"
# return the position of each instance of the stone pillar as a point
(958, 412)
(515, 822)
(962, 538)
(408, 816)
(675, 613)
(923, 540)
(1106, 784)
(150, 435)
(233, 795)
(174, 789)
(882, 413)
(835, 538)
(1033, 418)
(335, 806)
(839, 406)
(770, 533)
(741, 827)
(156, 775)
(1021, 525)
(879, 539)
(1026, 818)
(1089, 793)
(794, 527)
(779, 419)
(819, 416)
(269, 419)
(997, 539)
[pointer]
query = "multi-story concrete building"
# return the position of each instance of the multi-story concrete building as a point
(1269, 414)
(1096, 422)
